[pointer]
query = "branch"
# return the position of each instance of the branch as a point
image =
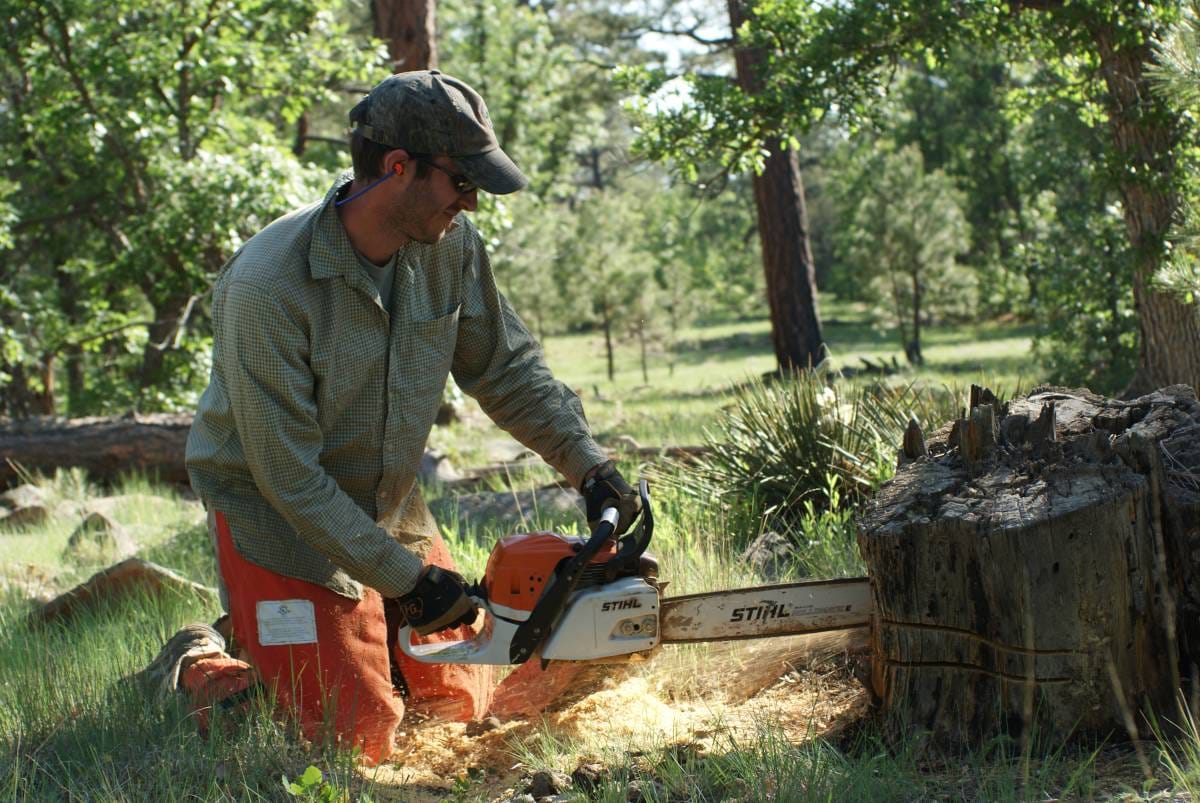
(103, 335)
(1035, 5)
(602, 65)
(692, 33)
(62, 54)
(182, 323)
(162, 95)
(74, 211)
(319, 138)
(171, 342)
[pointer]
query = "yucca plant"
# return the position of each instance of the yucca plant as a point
(781, 440)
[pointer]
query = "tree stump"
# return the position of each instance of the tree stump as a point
(1040, 566)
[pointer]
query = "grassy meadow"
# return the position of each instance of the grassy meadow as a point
(71, 728)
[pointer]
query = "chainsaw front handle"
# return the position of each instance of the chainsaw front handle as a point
(553, 601)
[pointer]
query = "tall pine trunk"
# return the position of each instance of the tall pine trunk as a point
(408, 27)
(1145, 136)
(782, 230)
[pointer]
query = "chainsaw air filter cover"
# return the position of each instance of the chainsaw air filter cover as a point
(521, 565)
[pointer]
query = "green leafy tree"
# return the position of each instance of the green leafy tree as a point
(1177, 78)
(955, 111)
(902, 234)
(610, 270)
(145, 142)
(842, 55)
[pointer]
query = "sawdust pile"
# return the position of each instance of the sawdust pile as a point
(704, 697)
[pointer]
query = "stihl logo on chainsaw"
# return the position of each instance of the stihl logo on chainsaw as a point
(758, 613)
(622, 604)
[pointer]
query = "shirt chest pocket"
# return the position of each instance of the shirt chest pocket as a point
(422, 353)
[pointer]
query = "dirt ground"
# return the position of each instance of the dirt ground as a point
(701, 697)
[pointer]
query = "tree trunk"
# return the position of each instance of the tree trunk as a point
(104, 447)
(913, 349)
(641, 334)
(782, 230)
(169, 312)
(1146, 134)
(49, 405)
(1020, 571)
(608, 344)
(409, 28)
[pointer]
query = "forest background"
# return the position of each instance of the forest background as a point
(943, 163)
(957, 189)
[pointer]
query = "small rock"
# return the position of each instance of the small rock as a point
(30, 516)
(589, 776)
(770, 555)
(523, 798)
(642, 790)
(478, 727)
(448, 412)
(98, 538)
(435, 467)
(547, 784)
(24, 496)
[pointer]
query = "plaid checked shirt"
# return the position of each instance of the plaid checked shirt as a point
(319, 404)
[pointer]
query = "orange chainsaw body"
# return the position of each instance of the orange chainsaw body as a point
(520, 566)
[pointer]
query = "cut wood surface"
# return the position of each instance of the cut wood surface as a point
(1038, 567)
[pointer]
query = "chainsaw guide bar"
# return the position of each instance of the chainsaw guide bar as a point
(598, 599)
(778, 610)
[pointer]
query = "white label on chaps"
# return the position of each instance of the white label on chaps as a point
(286, 621)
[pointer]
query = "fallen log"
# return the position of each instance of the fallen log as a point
(1038, 569)
(104, 447)
(155, 445)
(128, 576)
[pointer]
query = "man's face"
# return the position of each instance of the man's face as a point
(426, 208)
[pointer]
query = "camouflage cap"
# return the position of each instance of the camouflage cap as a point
(427, 112)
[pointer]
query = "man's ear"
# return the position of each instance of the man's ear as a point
(396, 161)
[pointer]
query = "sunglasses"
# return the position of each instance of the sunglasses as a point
(462, 185)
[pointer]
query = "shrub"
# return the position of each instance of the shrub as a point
(780, 441)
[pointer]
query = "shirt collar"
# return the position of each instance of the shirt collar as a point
(330, 252)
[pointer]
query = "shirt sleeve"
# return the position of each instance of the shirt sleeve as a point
(265, 361)
(500, 364)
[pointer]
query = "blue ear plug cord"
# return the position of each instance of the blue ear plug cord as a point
(370, 186)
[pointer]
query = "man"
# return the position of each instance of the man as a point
(334, 330)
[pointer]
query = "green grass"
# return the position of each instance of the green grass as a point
(766, 766)
(675, 406)
(70, 728)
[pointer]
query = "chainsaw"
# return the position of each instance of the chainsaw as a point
(598, 599)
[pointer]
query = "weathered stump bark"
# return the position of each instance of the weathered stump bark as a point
(104, 447)
(1039, 567)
